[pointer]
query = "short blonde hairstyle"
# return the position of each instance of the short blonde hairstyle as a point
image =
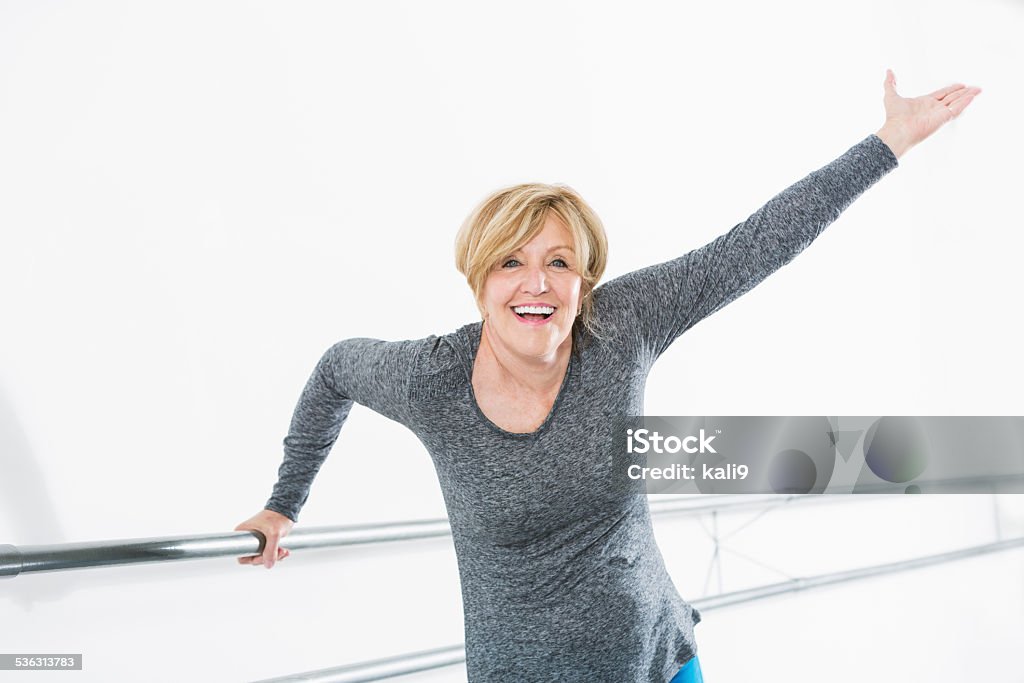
(510, 217)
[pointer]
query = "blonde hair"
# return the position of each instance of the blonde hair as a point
(510, 217)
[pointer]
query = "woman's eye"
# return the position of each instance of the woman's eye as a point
(557, 261)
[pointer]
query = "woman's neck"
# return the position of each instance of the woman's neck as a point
(538, 375)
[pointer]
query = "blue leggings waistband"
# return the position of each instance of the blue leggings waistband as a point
(690, 673)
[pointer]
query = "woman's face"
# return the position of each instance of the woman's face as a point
(542, 273)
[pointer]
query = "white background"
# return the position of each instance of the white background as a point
(198, 198)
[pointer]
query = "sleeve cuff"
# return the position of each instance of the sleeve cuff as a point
(273, 507)
(882, 150)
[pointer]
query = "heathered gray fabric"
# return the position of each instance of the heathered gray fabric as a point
(561, 576)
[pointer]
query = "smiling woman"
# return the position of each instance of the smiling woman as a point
(532, 254)
(549, 229)
(561, 577)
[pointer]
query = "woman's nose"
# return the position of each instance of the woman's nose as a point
(534, 280)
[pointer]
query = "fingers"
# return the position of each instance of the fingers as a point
(942, 92)
(958, 94)
(258, 559)
(270, 527)
(947, 95)
(270, 552)
(273, 552)
(959, 100)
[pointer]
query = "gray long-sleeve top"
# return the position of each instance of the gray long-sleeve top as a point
(561, 577)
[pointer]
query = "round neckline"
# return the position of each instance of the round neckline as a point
(475, 334)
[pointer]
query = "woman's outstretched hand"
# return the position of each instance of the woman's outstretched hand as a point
(274, 526)
(909, 120)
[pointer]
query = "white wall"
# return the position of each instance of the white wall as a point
(198, 198)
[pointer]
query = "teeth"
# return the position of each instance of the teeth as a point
(534, 309)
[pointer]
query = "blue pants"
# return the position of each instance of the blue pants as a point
(690, 673)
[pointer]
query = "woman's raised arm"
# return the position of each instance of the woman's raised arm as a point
(651, 307)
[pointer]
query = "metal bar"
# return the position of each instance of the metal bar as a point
(383, 668)
(699, 503)
(15, 560)
(802, 583)
(979, 484)
(421, 661)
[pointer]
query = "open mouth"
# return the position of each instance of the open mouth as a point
(534, 317)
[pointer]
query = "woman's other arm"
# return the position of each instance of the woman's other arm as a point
(371, 372)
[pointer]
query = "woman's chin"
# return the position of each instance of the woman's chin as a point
(538, 341)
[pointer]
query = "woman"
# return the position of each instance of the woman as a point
(561, 576)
